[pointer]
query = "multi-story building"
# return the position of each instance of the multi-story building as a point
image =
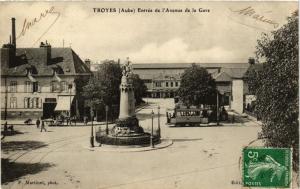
(36, 82)
(162, 86)
(163, 80)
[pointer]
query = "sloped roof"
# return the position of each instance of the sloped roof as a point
(186, 65)
(256, 67)
(235, 72)
(146, 76)
(167, 77)
(222, 76)
(64, 59)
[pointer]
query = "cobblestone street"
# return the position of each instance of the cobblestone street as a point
(200, 157)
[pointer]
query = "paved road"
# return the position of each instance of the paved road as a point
(201, 157)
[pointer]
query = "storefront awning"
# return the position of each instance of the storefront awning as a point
(63, 103)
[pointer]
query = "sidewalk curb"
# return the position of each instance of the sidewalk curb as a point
(123, 149)
(251, 118)
(141, 107)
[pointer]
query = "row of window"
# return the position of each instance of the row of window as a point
(31, 87)
(147, 80)
(34, 102)
(172, 84)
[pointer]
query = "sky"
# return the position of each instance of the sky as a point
(222, 35)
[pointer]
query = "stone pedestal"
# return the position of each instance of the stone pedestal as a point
(127, 130)
(127, 124)
(127, 100)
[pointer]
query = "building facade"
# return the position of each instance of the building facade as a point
(163, 80)
(162, 86)
(40, 82)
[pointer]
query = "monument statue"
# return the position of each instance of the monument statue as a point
(127, 70)
(127, 130)
(127, 100)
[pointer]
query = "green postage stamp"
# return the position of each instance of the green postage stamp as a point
(267, 167)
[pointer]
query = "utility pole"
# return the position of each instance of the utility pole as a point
(5, 105)
(218, 108)
(92, 127)
(106, 113)
(158, 125)
(70, 90)
(151, 137)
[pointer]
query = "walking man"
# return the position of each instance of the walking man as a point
(85, 120)
(38, 123)
(43, 127)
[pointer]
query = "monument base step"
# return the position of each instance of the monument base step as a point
(142, 139)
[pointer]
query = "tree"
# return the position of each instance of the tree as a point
(253, 77)
(197, 86)
(108, 75)
(93, 92)
(140, 88)
(80, 82)
(104, 88)
(277, 88)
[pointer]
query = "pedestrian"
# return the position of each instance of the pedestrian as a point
(38, 123)
(74, 119)
(232, 120)
(63, 119)
(43, 127)
(85, 120)
(5, 128)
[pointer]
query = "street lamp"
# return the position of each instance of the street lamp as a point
(92, 129)
(217, 107)
(106, 112)
(158, 125)
(99, 135)
(5, 105)
(70, 90)
(151, 137)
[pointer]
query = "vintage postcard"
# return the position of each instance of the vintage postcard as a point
(149, 94)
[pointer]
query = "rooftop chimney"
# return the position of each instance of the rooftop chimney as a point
(8, 51)
(13, 31)
(251, 61)
(47, 52)
(88, 63)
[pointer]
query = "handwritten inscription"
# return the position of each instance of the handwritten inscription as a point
(250, 12)
(28, 24)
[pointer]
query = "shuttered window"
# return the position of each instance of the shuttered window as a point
(13, 102)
